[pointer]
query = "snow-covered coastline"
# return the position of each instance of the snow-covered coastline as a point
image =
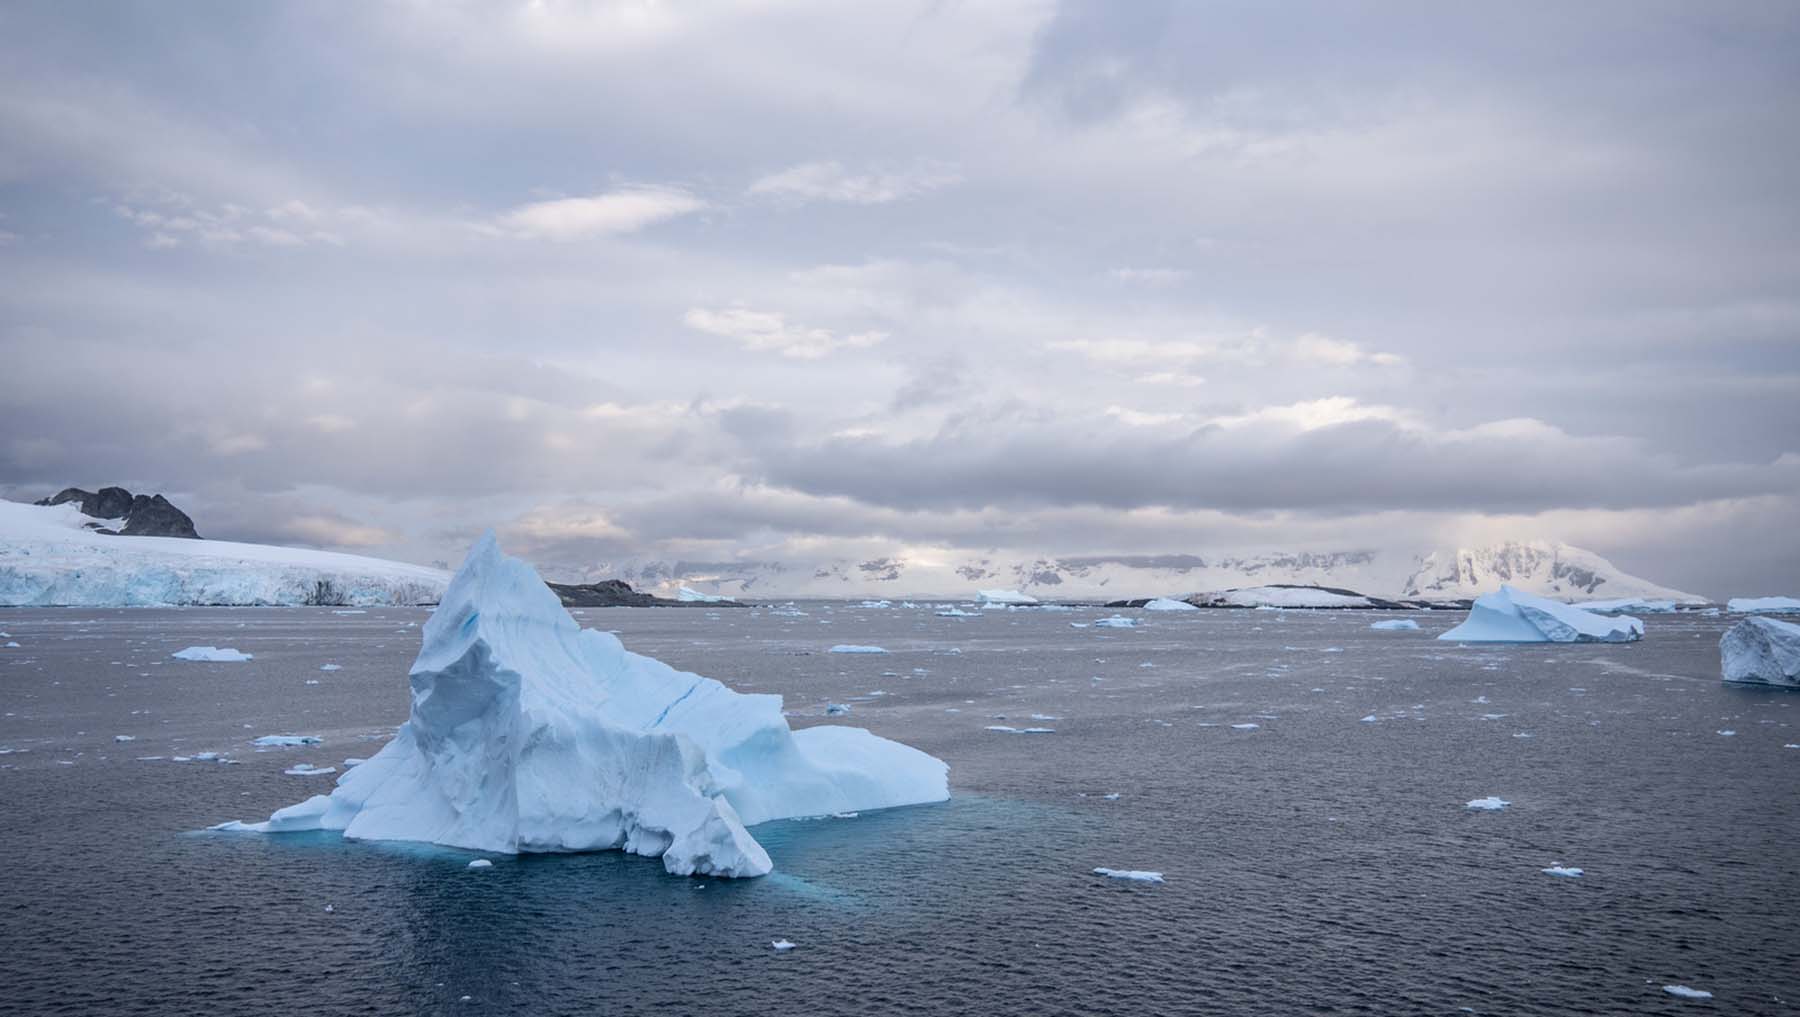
(49, 558)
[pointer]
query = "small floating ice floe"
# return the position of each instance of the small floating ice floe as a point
(353, 761)
(1245, 727)
(217, 654)
(124, 738)
(1003, 729)
(285, 741)
(1727, 733)
(836, 709)
(1687, 993)
(1395, 625)
(1488, 804)
(853, 648)
(781, 946)
(1370, 719)
(308, 770)
(1134, 875)
(1565, 871)
(1117, 621)
(331, 667)
(481, 863)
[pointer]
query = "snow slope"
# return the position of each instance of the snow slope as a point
(1762, 651)
(1545, 568)
(48, 557)
(1514, 616)
(529, 733)
(1280, 596)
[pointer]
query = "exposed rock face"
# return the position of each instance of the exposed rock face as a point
(144, 515)
(618, 593)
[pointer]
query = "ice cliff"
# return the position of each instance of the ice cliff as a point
(1762, 651)
(530, 734)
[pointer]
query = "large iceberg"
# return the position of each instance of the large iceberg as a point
(1769, 605)
(1514, 616)
(1763, 651)
(1004, 598)
(529, 733)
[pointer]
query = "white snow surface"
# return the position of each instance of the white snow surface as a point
(48, 558)
(1007, 597)
(1514, 616)
(1772, 605)
(1761, 651)
(1282, 596)
(1165, 604)
(528, 733)
(216, 654)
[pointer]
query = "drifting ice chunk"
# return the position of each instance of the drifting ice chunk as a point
(1136, 875)
(1488, 804)
(1117, 621)
(1395, 625)
(211, 653)
(529, 733)
(955, 612)
(781, 946)
(308, 770)
(273, 741)
(1773, 605)
(852, 648)
(1686, 993)
(1565, 871)
(1003, 598)
(696, 597)
(1165, 604)
(1763, 651)
(481, 863)
(1514, 616)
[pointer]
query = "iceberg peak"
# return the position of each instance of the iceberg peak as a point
(1514, 616)
(528, 733)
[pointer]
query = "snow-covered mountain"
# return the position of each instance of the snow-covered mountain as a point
(49, 555)
(1546, 569)
(1540, 567)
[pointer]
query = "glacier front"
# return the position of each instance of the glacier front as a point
(50, 557)
(1514, 616)
(1761, 651)
(529, 733)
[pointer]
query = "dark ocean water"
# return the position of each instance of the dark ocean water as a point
(1317, 863)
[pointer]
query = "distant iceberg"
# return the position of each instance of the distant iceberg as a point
(1395, 625)
(215, 654)
(1636, 605)
(1514, 616)
(1769, 605)
(1004, 598)
(1761, 651)
(530, 734)
(1165, 604)
(691, 596)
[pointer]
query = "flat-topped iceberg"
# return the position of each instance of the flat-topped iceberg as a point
(529, 733)
(1004, 598)
(1772, 605)
(1761, 651)
(688, 595)
(1514, 616)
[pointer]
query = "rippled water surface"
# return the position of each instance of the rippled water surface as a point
(1318, 862)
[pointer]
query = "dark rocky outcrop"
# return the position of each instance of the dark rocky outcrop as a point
(144, 515)
(618, 593)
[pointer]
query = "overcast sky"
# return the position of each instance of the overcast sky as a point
(795, 280)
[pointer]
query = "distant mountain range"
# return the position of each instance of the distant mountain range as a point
(1543, 567)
